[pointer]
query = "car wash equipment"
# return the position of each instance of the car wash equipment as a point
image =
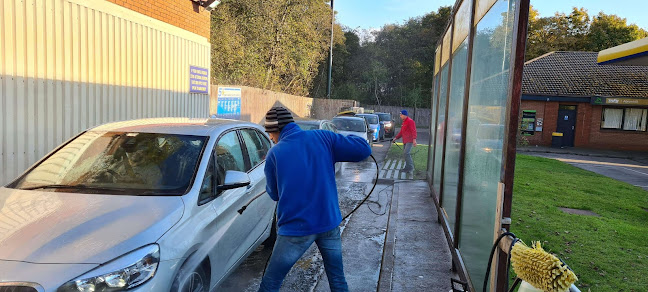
(536, 269)
(541, 269)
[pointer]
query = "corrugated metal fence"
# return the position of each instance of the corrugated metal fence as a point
(255, 102)
(420, 115)
(67, 65)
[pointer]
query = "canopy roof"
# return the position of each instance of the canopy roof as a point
(632, 53)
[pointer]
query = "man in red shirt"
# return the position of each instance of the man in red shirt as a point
(408, 132)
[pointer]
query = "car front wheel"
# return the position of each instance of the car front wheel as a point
(197, 281)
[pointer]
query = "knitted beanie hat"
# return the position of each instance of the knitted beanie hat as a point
(277, 118)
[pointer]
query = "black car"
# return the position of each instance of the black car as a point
(386, 123)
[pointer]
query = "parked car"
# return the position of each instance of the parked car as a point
(388, 124)
(320, 125)
(356, 126)
(374, 125)
(316, 125)
(132, 205)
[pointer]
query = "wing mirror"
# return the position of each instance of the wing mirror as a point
(234, 180)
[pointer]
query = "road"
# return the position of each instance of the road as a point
(363, 236)
(626, 170)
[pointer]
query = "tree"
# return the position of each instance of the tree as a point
(608, 31)
(271, 44)
(577, 32)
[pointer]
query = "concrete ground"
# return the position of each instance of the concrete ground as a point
(391, 243)
(629, 167)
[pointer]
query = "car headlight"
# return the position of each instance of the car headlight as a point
(125, 272)
(388, 125)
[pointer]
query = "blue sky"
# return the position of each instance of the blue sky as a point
(368, 14)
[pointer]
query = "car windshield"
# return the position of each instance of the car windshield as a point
(352, 125)
(384, 117)
(308, 126)
(119, 163)
(371, 119)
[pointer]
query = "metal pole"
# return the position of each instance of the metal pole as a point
(330, 67)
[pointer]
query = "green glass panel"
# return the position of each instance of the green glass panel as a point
(453, 139)
(489, 89)
(438, 147)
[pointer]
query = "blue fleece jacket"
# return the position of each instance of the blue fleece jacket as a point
(300, 175)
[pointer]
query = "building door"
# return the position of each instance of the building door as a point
(567, 124)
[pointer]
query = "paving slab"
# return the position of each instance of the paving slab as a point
(421, 257)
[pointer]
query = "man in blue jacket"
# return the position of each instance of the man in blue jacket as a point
(300, 174)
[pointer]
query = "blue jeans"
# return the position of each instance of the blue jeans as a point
(288, 250)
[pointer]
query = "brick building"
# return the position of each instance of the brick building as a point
(68, 65)
(590, 105)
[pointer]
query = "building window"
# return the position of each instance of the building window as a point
(629, 119)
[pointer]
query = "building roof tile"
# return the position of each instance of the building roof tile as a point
(578, 74)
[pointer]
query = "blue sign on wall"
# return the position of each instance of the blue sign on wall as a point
(229, 103)
(198, 80)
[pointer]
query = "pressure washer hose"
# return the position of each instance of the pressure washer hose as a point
(240, 211)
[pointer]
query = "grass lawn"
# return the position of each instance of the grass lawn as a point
(419, 155)
(607, 253)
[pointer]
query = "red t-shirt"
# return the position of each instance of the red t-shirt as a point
(408, 131)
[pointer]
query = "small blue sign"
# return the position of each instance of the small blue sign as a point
(198, 80)
(229, 103)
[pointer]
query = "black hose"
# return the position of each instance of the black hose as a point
(490, 258)
(370, 192)
(347, 215)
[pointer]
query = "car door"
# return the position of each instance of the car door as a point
(226, 231)
(259, 213)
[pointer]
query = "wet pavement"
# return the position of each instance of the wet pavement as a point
(362, 236)
(384, 248)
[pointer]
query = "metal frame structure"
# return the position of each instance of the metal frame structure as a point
(516, 64)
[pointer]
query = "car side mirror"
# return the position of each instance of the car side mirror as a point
(234, 180)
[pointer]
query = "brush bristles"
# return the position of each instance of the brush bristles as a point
(541, 269)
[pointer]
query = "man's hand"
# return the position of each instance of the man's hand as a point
(414, 143)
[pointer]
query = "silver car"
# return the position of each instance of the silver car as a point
(144, 205)
(355, 126)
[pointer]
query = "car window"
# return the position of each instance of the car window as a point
(333, 127)
(207, 189)
(371, 119)
(266, 143)
(327, 126)
(128, 163)
(352, 125)
(308, 126)
(229, 155)
(384, 117)
(256, 149)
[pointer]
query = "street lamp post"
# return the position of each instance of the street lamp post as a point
(330, 67)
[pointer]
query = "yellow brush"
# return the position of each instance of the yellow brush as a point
(540, 268)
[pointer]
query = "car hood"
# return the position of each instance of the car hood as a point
(374, 126)
(73, 228)
(350, 133)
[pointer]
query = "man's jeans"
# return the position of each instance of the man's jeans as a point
(288, 249)
(409, 163)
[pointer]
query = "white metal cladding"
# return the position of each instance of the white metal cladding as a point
(67, 65)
